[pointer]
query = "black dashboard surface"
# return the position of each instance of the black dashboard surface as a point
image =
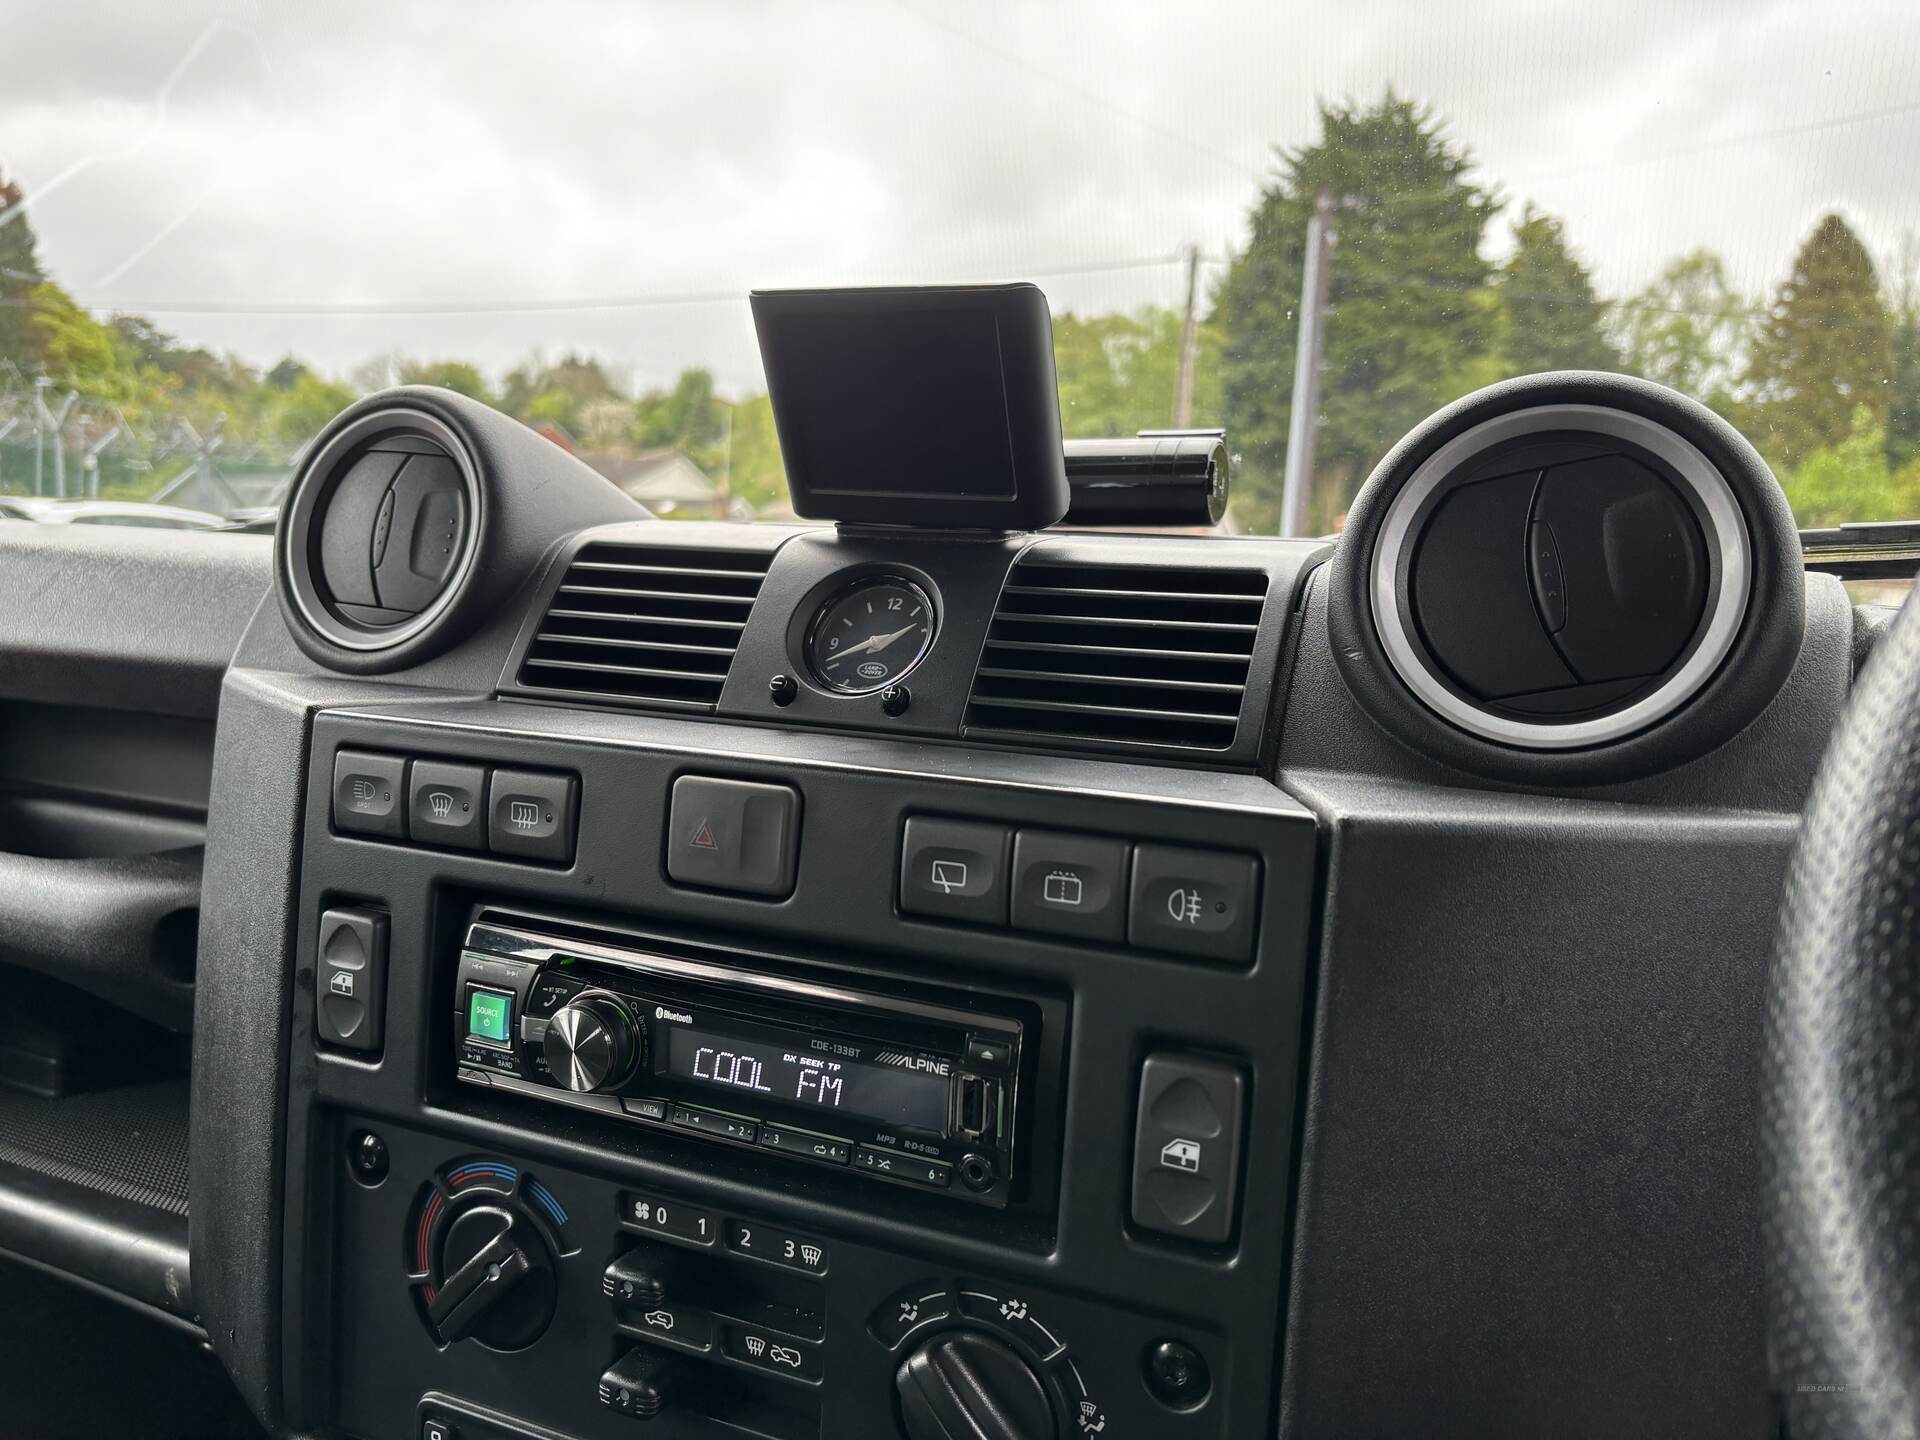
(1501, 1036)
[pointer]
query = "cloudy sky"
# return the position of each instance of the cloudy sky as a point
(342, 180)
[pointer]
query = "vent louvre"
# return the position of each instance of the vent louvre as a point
(652, 625)
(1119, 653)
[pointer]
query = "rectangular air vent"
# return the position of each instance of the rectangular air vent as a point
(1120, 653)
(652, 625)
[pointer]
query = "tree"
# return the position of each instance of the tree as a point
(1903, 404)
(1824, 348)
(1903, 401)
(1403, 320)
(1690, 329)
(1118, 373)
(79, 353)
(20, 275)
(294, 416)
(687, 418)
(1554, 319)
(755, 472)
(455, 375)
(556, 393)
(286, 374)
(1852, 481)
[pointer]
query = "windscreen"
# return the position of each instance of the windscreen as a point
(1310, 224)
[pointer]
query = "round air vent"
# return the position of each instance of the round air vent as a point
(1568, 575)
(378, 541)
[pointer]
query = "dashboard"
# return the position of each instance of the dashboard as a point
(821, 983)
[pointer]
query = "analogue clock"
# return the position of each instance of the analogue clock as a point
(870, 635)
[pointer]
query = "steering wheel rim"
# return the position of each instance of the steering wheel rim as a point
(1840, 1131)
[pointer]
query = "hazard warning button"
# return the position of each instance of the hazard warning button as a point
(733, 835)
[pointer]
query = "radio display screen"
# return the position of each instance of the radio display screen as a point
(883, 1094)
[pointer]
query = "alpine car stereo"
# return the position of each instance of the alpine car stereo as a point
(898, 1089)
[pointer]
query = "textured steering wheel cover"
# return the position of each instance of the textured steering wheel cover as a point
(1841, 1105)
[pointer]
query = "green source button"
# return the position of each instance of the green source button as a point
(489, 1016)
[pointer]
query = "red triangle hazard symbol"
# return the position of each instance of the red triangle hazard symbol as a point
(703, 838)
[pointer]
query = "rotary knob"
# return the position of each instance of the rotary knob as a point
(593, 1043)
(968, 1386)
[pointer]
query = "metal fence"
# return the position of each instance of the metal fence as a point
(53, 446)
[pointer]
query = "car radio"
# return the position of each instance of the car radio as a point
(901, 1090)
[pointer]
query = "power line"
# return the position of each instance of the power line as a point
(640, 301)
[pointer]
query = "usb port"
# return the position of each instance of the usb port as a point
(976, 1106)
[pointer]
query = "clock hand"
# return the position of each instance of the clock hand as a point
(853, 649)
(880, 642)
(872, 642)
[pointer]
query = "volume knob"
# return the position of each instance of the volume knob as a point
(592, 1043)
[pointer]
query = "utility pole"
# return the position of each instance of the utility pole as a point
(1189, 344)
(1309, 349)
(723, 487)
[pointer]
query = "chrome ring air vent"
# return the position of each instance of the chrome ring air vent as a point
(1569, 577)
(378, 541)
(1629, 571)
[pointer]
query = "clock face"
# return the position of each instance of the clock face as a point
(867, 637)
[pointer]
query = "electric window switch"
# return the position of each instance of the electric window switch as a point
(350, 978)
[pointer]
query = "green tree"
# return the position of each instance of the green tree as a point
(1689, 329)
(556, 393)
(20, 275)
(1404, 322)
(1903, 401)
(455, 375)
(1852, 480)
(79, 353)
(1824, 348)
(688, 418)
(1118, 373)
(286, 374)
(755, 472)
(294, 415)
(1554, 319)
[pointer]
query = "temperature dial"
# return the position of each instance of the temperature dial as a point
(593, 1043)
